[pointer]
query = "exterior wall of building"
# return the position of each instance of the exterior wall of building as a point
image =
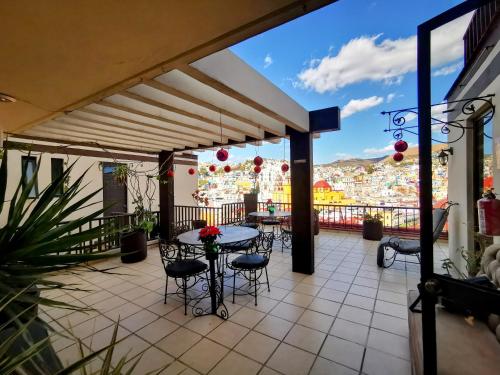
(484, 80)
(184, 184)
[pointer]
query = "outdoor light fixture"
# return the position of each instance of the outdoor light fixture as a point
(4, 98)
(443, 156)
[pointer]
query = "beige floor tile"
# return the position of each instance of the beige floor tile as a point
(157, 330)
(316, 320)
(131, 346)
(228, 333)
(264, 304)
(291, 361)
(308, 289)
(350, 331)
(124, 286)
(298, 299)
(152, 359)
(390, 324)
(342, 351)
(178, 342)
(393, 309)
(268, 371)
(355, 314)
(378, 363)
(123, 311)
(204, 355)
(148, 299)
(96, 297)
(204, 324)
(305, 338)
(363, 291)
(323, 366)
(175, 368)
(247, 317)
(103, 338)
(134, 293)
(359, 301)
(389, 343)
(91, 326)
(162, 309)
(332, 295)
(138, 320)
(177, 315)
(257, 346)
(325, 306)
(275, 293)
(235, 363)
(287, 311)
(274, 327)
(109, 304)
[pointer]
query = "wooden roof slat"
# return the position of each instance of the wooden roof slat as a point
(119, 129)
(215, 135)
(221, 87)
(202, 103)
(168, 131)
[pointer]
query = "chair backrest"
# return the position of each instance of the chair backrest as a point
(264, 243)
(169, 252)
(439, 218)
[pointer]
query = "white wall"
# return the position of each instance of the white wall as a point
(460, 172)
(184, 184)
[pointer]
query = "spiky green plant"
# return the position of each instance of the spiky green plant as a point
(35, 243)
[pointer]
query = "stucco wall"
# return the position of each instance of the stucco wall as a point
(184, 184)
(485, 80)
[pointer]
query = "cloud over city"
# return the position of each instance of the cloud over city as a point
(358, 105)
(268, 60)
(378, 59)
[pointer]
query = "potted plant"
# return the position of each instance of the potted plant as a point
(270, 206)
(134, 237)
(372, 227)
(316, 221)
(207, 236)
(201, 200)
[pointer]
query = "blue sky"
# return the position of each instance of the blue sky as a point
(358, 55)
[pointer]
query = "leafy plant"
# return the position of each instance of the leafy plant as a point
(368, 218)
(35, 243)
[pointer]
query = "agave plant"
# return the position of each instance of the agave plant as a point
(37, 241)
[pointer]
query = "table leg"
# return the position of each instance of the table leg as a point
(213, 286)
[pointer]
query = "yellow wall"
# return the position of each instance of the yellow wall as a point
(320, 196)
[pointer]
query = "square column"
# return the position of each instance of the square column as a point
(166, 192)
(302, 201)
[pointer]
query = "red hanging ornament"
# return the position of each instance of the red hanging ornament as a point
(222, 155)
(398, 156)
(170, 173)
(227, 168)
(212, 168)
(258, 161)
(257, 169)
(284, 167)
(400, 146)
(191, 171)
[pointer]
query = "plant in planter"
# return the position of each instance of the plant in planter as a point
(316, 221)
(270, 206)
(36, 242)
(208, 236)
(140, 185)
(373, 227)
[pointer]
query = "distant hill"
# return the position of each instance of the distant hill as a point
(353, 162)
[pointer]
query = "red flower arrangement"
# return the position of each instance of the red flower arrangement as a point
(209, 234)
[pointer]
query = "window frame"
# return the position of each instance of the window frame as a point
(52, 174)
(24, 167)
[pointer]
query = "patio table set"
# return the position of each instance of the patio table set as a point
(244, 250)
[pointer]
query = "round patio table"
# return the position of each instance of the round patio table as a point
(267, 215)
(230, 235)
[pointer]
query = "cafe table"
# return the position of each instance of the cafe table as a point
(231, 235)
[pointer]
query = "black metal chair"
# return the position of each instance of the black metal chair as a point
(180, 263)
(286, 234)
(395, 245)
(254, 262)
(249, 222)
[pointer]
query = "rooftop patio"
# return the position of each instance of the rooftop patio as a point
(349, 317)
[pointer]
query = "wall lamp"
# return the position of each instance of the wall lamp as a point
(443, 156)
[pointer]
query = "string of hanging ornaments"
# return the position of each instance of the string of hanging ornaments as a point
(257, 161)
(398, 121)
(284, 167)
(222, 154)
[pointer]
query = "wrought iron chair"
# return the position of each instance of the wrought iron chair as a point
(254, 262)
(181, 227)
(249, 222)
(390, 247)
(286, 234)
(180, 263)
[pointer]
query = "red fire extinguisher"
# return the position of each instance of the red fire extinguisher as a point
(489, 214)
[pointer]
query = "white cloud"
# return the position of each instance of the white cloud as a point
(358, 105)
(448, 69)
(372, 58)
(390, 97)
(268, 60)
(384, 150)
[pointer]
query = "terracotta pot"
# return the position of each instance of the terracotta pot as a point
(250, 201)
(134, 246)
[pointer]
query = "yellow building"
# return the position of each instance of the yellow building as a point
(322, 193)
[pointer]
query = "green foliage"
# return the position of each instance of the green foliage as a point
(377, 218)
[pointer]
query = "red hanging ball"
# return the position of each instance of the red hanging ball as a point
(257, 169)
(400, 146)
(227, 168)
(212, 168)
(191, 171)
(284, 167)
(258, 161)
(170, 173)
(222, 155)
(398, 156)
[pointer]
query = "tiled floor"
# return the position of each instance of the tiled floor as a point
(350, 317)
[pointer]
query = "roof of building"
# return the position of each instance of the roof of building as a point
(322, 184)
